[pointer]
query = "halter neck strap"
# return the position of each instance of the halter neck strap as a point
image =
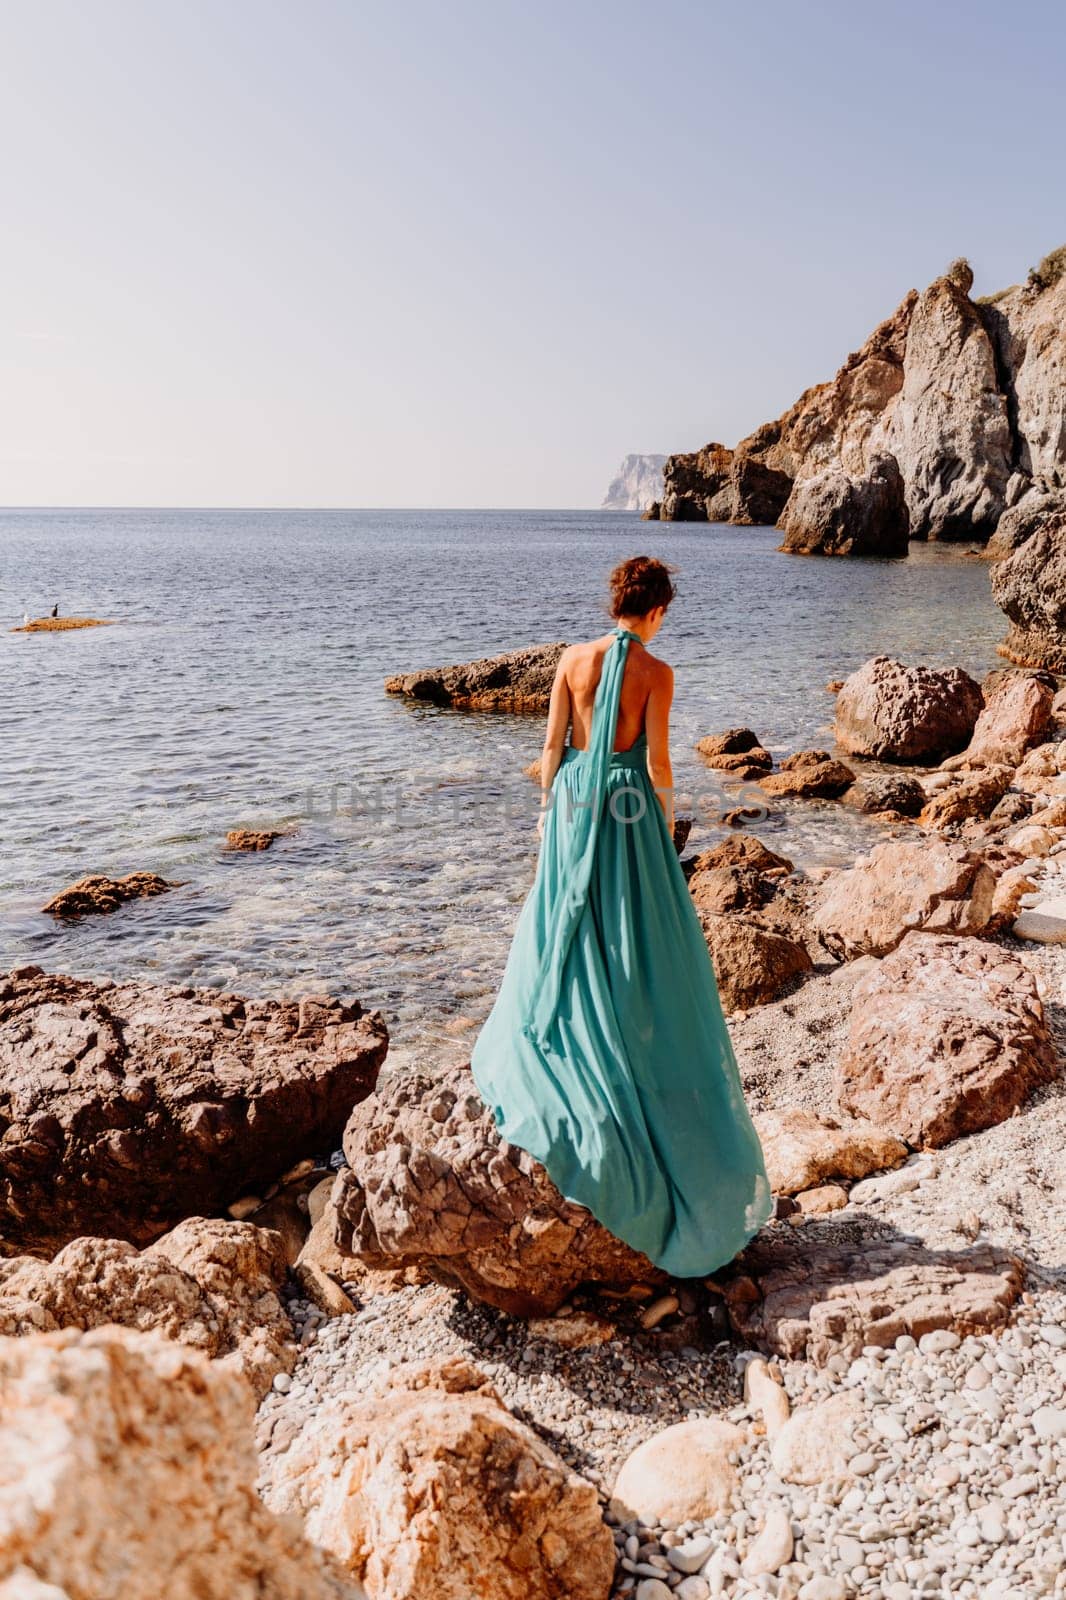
(626, 633)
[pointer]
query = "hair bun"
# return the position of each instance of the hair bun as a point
(639, 585)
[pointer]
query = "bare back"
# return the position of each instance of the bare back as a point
(582, 666)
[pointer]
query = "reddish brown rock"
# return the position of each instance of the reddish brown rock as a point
(806, 1149)
(125, 1107)
(737, 751)
(900, 885)
(252, 838)
(743, 850)
(209, 1284)
(430, 1184)
(974, 796)
(819, 1291)
(432, 1488)
(128, 1473)
(753, 964)
(1016, 716)
(809, 774)
(880, 793)
(948, 1036)
(521, 680)
(915, 714)
(722, 889)
(91, 895)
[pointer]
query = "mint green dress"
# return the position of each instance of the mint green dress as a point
(606, 1055)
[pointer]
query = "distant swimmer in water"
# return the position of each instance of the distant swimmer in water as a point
(55, 609)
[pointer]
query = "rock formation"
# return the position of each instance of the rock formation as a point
(809, 774)
(636, 485)
(947, 1036)
(836, 514)
(1030, 586)
(431, 1486)
(431, 1184)
(95, 894)
(821, 1291)
(806, 1148)
(127, 1467)
(890, 712)
(209, 1284)
(520, 680)
(125, 1107)
(967, 397)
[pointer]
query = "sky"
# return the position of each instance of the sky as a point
(335, 253)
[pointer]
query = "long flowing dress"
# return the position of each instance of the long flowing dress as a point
(606, 1054)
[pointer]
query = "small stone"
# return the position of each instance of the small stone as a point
(938, 1342)
(659, 1309)
(693, 1589)
(823, 1587)
(653, 1589)
(243, 1208)
(282, 1382)
(690, 1555)
(1049, 1423)
(772, 1547)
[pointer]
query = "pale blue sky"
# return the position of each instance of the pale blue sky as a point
(428, 254)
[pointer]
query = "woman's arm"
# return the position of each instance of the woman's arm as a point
(657, 724)
(554, 736)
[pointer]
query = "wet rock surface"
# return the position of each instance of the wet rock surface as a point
(519, 680)
(92, 895)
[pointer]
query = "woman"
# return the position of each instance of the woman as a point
(606, 1054)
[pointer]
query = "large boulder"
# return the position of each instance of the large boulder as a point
(1030, 586)
(1016, 715)
(825, 1290)
(125, 1107)
(948, 1036)
(209, 1284)
(431, 1184)
(836, 514)
(804, 1149)
(758, 493)
(430, 1487)
(691, 482)
(127, 1468)
(904, 884)
(520, 680)
(753, 964)
(914, 714)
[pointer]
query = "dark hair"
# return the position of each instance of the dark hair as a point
(639, 585)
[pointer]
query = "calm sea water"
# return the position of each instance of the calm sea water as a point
(242, 684)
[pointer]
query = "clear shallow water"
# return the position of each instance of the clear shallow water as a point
(243, 682)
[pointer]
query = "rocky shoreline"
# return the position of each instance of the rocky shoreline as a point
(464, 1384)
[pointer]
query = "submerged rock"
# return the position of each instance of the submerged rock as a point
(915, 714)
(948, 1036)
(125, 1107)
(209, 1284)
(835, 514)
(431, 1487)
(521, 680)
(430, 1184)
(129, 1470)
(98, 893)
(252, 838)
(736, 751)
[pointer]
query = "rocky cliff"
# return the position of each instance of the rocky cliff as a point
(636, 485)
(968, 396)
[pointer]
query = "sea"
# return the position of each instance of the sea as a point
(241, 685)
